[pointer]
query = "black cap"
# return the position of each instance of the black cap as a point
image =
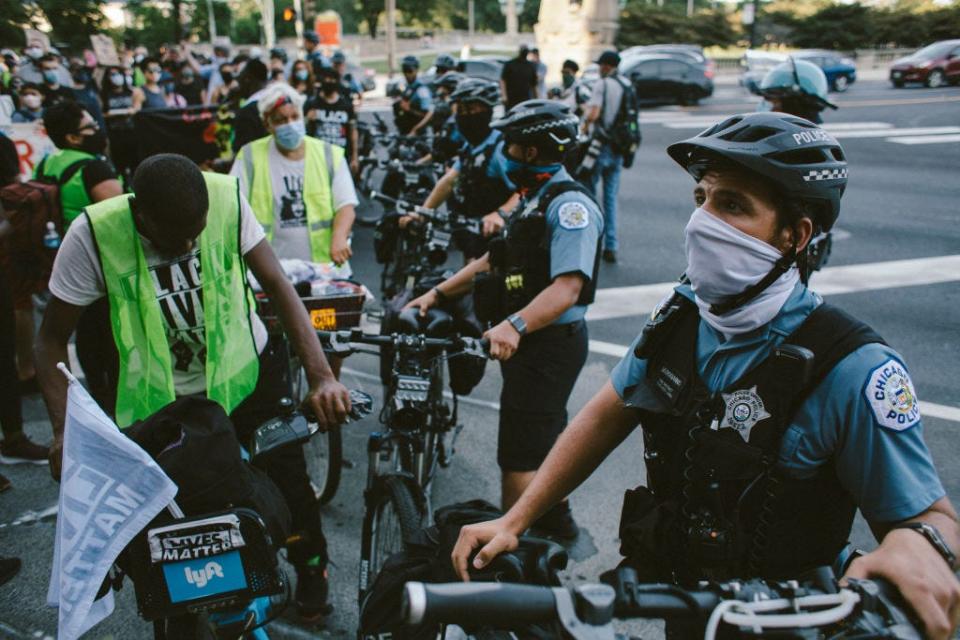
(571, 64)
(610, 58)
(410, 62)
(312, 37)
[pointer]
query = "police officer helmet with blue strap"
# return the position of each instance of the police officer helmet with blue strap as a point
(477, 90)
(547, 125)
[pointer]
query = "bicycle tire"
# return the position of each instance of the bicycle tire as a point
(391, 494)
(323, 453)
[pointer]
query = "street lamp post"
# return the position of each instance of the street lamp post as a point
(391, 37)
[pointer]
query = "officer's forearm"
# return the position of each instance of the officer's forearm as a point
(354, 143)
(511, 204)
(462, 281)
(550, 303)
(442, 190)
(424, 122)
(940, 514)
(589, 438)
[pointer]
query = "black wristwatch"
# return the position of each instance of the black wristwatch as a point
(517, 323)
(934, 537)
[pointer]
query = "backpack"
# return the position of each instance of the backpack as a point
(30, 206)
(624, 135)
(426, 558)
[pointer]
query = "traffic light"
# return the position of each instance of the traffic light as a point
(289, 14)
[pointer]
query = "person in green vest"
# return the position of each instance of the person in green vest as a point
(85, 176)
(299, 187)
(171, 259)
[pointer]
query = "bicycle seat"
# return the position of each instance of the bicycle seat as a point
(435, 324)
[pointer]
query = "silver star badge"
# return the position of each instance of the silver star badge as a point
(744, 409)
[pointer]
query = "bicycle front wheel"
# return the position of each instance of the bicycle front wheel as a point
(391, 519)
(323, 452)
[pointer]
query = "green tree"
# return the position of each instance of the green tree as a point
(151, 26)
(13, 17)
(371, 10)
(73, 21)
(836, 26)
(642, 23)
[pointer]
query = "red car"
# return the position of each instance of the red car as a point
(935, 65)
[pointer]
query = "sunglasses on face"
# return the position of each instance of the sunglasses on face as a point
(153, 69)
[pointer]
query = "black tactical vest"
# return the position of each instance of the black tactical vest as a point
(717, 505)
(520, 260)
(476, 194)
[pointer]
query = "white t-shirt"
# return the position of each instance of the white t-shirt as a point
(607, 94)
(78, 279)
(290, 237)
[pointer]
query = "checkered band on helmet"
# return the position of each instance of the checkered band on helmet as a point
(545, 124)
(477, 90)
(804, 162)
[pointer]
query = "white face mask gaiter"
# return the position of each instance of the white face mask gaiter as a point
(722, 262)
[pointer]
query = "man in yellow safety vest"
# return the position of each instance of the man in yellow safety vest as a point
(171, 260)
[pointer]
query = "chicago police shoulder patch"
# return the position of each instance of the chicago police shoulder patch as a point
(573, 215)
(889, 391)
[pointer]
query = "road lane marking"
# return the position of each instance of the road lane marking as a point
(696, 122)
(925, 139)
(640, 300)
(886, 133)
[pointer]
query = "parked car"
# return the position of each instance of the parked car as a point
(756, 64)
(841, 71)
(935, 65)
(691, 52)
(665, 79)
(486, 68)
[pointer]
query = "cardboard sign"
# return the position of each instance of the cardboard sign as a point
(32, 145)
(32, 35)
(105, 50)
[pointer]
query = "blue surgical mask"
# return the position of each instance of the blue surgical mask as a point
(526, 176)
(290, 135)
(51, 77)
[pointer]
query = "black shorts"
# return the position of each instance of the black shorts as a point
(537, 382)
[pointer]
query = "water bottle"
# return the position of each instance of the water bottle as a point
(51, 239)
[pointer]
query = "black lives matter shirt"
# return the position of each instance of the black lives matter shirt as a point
(331, 121)
(78, 279)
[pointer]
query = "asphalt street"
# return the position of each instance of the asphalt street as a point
(896, 265)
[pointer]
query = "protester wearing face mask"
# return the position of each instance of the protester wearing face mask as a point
(331, 117)
(53, 90)
(541, 278)
(756, 396)
(85, 90)
(474, 186)
(117, 97)
(301, 78)
(31, 69)
(572, 92)
(189, 87)
(151, 95)
(228, 83)
(300, 188)
(31, 104)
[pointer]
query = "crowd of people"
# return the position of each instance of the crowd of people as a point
(736, 449)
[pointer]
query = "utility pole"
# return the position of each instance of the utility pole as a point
(689, 8)
(267, 17)
(213, 21)
(753, 25)
(298, 25)
(391, 37)
(177, 22)
(470, 17)
(512, 26)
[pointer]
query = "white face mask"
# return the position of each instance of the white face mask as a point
(723, 261)
(32, 101)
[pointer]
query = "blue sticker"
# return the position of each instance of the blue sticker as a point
(192, 579)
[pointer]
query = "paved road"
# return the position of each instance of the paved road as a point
(895, 265)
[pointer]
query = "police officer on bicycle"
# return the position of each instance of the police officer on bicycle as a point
(475, 186)
(769, 417)
(171, 259)
(413, 109)
(534, 287)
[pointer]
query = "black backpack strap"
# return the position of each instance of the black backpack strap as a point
(551, 192)
(71, 170)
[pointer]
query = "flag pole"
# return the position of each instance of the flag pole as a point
(65, 370)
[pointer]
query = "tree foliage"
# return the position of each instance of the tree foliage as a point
(642, 23)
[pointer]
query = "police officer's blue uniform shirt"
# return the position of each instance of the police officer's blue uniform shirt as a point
(879, 454)
(575, 223)
(494, 138)
(421, 98)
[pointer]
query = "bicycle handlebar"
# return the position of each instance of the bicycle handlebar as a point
(472, 225)
(494, 603)
(339, 341)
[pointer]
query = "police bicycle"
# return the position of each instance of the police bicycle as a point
(411, 253)
(216, 575)
(419, 433)
(815, 607)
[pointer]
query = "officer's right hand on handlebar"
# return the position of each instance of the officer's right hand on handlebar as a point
(493, 224)
(492, 538)
(424, 303)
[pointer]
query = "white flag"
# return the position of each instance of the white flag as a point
(110, 489)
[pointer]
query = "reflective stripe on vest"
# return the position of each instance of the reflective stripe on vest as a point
(317, 190)
(73, 194)
(146, 372)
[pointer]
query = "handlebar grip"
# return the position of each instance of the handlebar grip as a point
(487, 603)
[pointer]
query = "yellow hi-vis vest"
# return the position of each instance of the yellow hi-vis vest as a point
(146, 372)
(322, 159)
